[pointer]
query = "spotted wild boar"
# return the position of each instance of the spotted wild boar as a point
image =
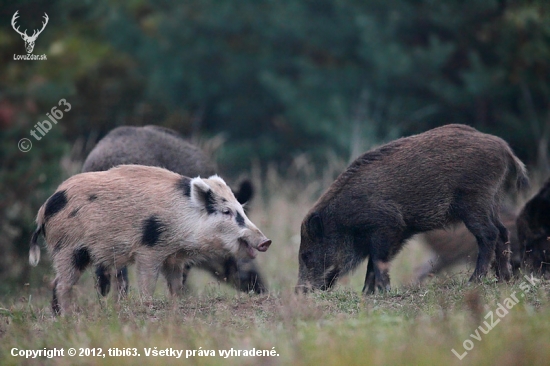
(156, 218)
(165, 148)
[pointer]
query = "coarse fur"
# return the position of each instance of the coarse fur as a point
(150, 146)
(141, 215)
(414, 184)
(533, 226)
(455, 246)
(165, 148)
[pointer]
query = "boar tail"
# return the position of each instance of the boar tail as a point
(34, 251)
(522, 180)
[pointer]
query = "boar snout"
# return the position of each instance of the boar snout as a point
(250, 248)
(264, 245)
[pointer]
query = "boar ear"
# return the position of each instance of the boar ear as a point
(245, 192)
(217, 178)
(202, 195)
(315, 226)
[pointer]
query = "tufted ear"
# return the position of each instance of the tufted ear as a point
(315, 226)
(217, 178)
(202, 195)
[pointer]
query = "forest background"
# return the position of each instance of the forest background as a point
(268, 82)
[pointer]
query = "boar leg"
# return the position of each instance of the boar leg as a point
(147, 273)
(502, 252)
(103, 280)
(122, 282)
(377, 277)
(382, 275)
(62, 291)
(368, 287)
(185, 274)
(486, 234)
(68, 270)
(379, 264)
(172, 269)
(431, 267)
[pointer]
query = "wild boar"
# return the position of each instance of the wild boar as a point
(411, 185)
(533, 225)
(453, 247)
(165, 148)
(156, 218)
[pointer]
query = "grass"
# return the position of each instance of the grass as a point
(412, 324)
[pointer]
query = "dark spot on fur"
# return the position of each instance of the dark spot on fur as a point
(55, 204)
(81, 258)
(184, 184)
(152, 229)
(92, 197)
(74, 212)
(210, 202)
(240, 219)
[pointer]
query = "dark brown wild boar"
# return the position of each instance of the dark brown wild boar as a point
(411, 185)
(165, 148)
(533, 225)
(458, 246)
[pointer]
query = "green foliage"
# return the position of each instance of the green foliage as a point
(280, 78)
(26, 181)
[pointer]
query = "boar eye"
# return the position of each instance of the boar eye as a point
(226, 211)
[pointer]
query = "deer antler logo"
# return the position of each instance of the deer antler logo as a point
(29, 40)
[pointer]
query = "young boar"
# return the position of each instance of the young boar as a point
(533, 225)
(453, 247)
(156, 218)
(165, 148)
(415, 184)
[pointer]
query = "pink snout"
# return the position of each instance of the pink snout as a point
(264, 246)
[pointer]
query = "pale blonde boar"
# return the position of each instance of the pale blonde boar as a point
(156, 218)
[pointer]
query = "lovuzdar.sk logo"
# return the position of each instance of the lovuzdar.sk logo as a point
(29, 40)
